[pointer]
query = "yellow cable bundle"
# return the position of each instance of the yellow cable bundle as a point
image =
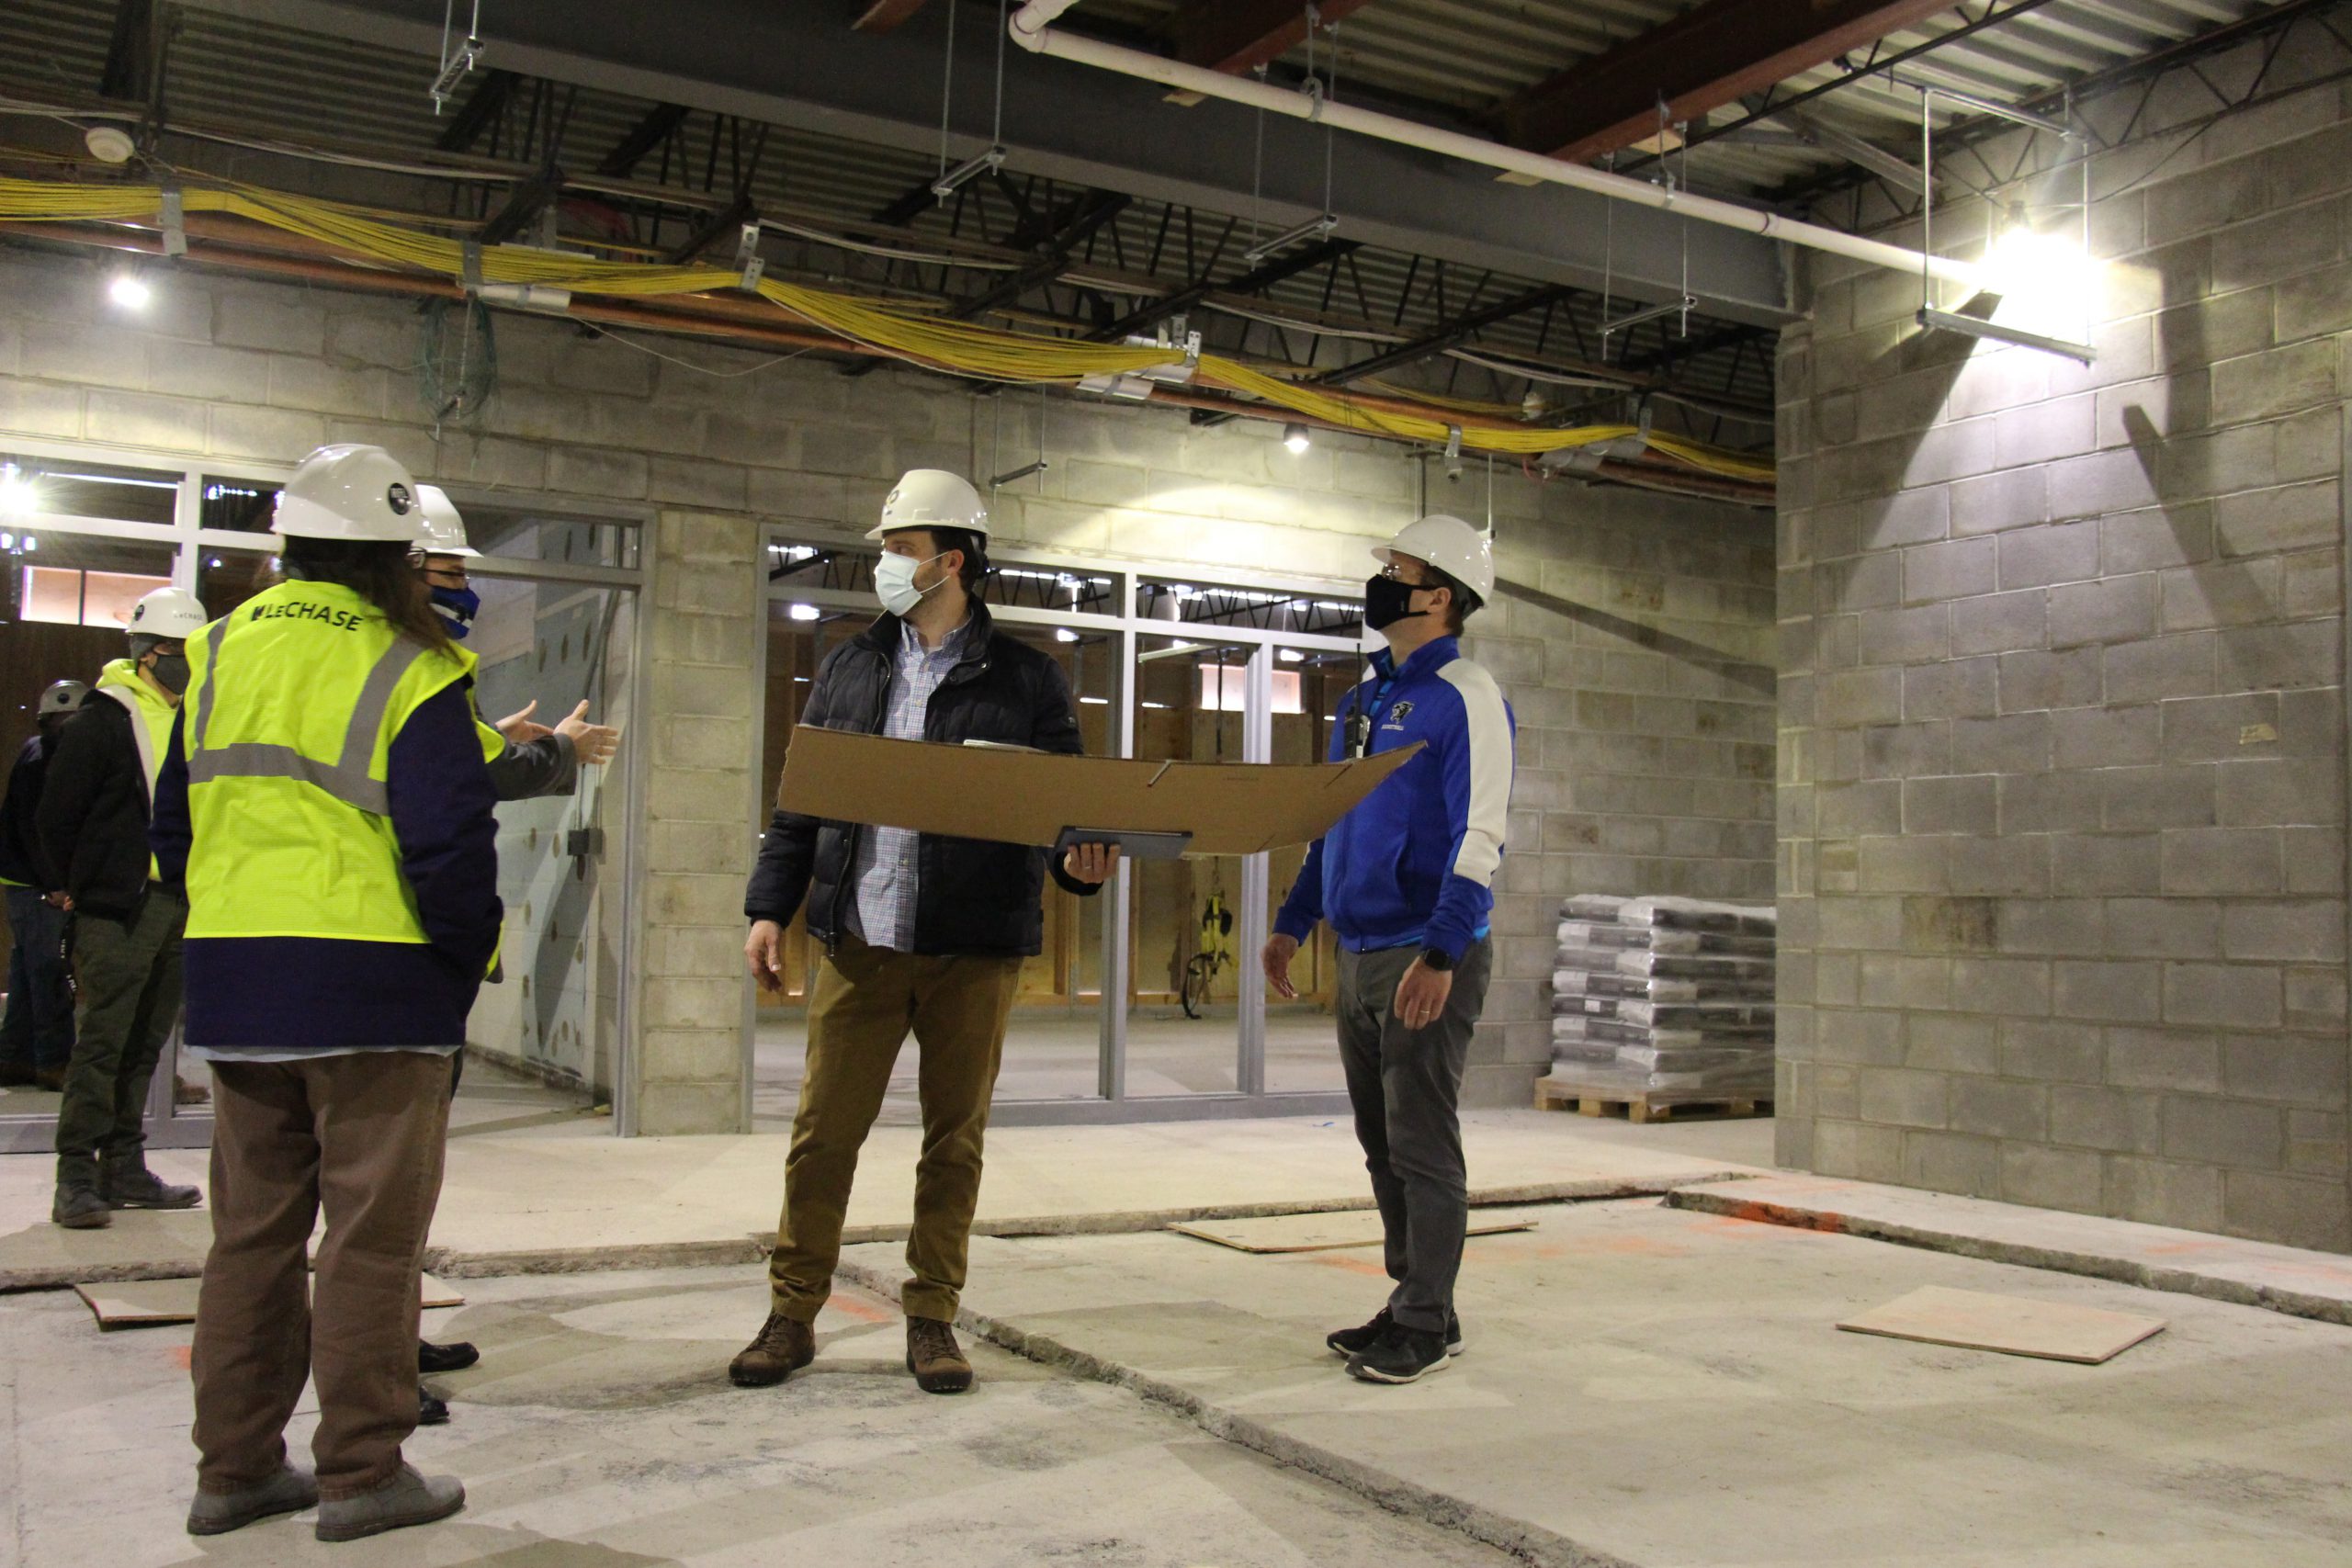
(956, 346)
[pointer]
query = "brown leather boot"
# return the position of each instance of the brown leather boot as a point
(935, 1358)
(784, 1345)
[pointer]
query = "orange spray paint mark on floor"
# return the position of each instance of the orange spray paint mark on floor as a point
(184, 1357)
(864, 1312)
(1348, 1265)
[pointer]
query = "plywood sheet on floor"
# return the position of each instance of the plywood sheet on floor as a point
(1318, 1232)
(146, 1303)
(2015, 1326)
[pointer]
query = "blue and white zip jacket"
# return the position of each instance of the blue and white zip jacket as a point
(1414, 865)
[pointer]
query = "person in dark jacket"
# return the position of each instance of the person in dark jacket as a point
(92, 827)
(37, 1034)
(326, 805)
(922, 932)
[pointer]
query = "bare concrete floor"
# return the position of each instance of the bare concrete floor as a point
(1660, 1387)
(600, 1432)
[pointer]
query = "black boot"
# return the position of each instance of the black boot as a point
(433, 1359)
(77, 1206)
(125, 1182)
(431, 1410)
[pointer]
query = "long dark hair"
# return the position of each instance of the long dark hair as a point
(379, 571)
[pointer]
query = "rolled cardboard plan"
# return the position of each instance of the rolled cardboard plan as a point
(1017, 796)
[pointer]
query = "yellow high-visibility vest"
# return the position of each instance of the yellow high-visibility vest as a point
(292, 704)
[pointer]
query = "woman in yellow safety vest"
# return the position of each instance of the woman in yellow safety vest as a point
(326, 803)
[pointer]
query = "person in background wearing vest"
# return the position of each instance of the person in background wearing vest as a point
(326, 805)
(1407, 881)
(92, 831)
(922, 934)
(527, 760)
(37, 1034)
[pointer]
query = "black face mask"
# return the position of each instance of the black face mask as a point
(1386, 602)
(170, 670)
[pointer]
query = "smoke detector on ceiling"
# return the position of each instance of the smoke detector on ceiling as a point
(109, 143)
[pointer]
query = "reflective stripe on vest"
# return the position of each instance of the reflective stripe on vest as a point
(293, 702)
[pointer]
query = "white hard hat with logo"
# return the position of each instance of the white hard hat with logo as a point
(168, 615)
(445, 530)
(932, 497)
(1452, 546)
(62, 697)
(353, 492)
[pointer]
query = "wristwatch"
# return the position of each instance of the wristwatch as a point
(1436, 958)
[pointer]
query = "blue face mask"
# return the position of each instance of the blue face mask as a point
(458, 606)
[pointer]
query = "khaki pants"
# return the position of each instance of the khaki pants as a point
(360, 1137)
(866, 1001)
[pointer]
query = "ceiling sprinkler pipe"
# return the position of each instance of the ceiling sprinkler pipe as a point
(1033, 30)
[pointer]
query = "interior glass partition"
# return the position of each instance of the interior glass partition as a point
(84, 534)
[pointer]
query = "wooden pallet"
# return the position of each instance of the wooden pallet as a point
(1642, 1106)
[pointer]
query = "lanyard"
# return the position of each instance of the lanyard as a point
(1360, 722)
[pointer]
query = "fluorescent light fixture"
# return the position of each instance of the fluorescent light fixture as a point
(1063, 634)
(1319, 226)
(1096, 702)
(1625, 324)
(1160, 706)
(1294, 436)
(1291, 656)
(1993, 332)
(129, 291)
(18, 497)
(947, 184)
(804, 611)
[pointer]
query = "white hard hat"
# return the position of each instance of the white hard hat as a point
(1451, 546)
(932, 497)
(171, 615)
(62, 697)
(348, 491)
(445, 531)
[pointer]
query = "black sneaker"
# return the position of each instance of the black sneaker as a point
(434, 1359)
(1401, 1355)
(1356, 1341)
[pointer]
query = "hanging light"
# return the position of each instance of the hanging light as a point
(129, 291)
(1294, 436)
(804, 611)
(18, 498)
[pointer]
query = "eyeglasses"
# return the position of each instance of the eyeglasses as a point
(1393, 575)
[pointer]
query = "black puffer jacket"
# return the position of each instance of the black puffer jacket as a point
(972, 896)
(92, 821)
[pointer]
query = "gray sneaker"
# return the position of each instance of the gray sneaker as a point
(406, 1499)
(217, 1513)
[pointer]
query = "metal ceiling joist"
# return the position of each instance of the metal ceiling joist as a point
(129, 50)
(1241, 35)
(1255, 281)
(1701, 60)
(1453, 334)
(480, 110)
(659, 122)
(797, 66)
(724, 224)
(1076, 223)
(524, 203)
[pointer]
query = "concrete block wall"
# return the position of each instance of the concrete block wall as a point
(2062, 758)
(1642, 771)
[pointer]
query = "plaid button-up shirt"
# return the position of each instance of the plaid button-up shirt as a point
(885, 875)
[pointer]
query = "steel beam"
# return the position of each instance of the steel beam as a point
(480, 110)
(1322, 253)
(1453, 334)
(797, 66)
(659, 122)
(130, 52)
(1235, 36)
(1701, 60)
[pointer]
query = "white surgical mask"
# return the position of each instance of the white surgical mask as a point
(894, 582)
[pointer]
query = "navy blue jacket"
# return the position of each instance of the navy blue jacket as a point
(1414, 865)
(297, 993)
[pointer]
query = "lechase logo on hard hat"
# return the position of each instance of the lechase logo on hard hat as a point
(397, 497)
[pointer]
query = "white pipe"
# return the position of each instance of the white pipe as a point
(1033, 30)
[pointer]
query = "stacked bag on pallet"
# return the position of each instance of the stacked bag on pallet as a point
(1664, 993)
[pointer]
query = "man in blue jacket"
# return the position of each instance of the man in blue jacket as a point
(1407, 881)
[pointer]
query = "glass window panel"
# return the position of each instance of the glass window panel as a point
(226, 578)
(241, 506)
(511, 533)
(58, 486)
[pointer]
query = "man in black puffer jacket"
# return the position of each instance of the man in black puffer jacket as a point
(922, 934)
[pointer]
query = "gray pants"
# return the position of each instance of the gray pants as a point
(1406, 1086)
